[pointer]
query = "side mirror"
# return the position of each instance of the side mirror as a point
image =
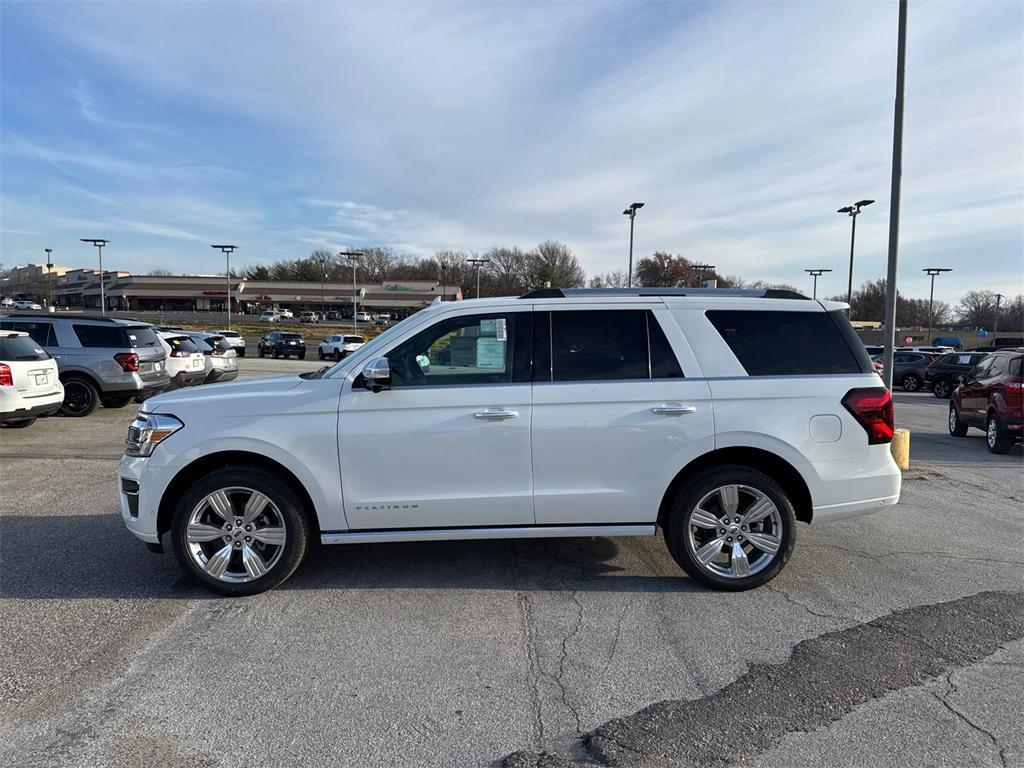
(377, 373)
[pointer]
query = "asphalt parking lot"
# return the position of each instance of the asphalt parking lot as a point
(894, 639)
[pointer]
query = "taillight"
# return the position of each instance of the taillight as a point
(6, 379)
(872, 408)
(175, 353)
(207, 351)
(129, 361)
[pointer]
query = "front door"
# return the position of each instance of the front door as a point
(448, 445)
(614, 418)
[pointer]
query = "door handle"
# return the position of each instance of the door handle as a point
(496, 415)
(674, 409)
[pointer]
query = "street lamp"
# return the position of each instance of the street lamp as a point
(816, 273)
(227, 250)
(933, 271)
(353, 257)
(995, 323)
(852, 211)
(478, 263)
(103, 278)
(631, 212)
(444, 280)
(49, 276)
(700, 269)
(322, 258)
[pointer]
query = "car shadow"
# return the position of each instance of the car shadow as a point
(92, 556)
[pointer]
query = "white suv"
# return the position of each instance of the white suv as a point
(29, 383)
(723, 417)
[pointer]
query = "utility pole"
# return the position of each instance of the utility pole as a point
(816, 273)
(894, 197)
(103, 277)
(700, 269)
(227, 250)
(353, 257)
(478, 263)
(631, 212)
(932, 272)
(49, 277)
(995, 323)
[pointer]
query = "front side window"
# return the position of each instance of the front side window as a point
(996, 368)
(467, 350)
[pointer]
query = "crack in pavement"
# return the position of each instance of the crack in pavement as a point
(615, 639)
(884, 555)
(823, 680)
(564, 657)
(943, 700)
(789, 599)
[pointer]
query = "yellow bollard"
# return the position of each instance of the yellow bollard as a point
(900, 448)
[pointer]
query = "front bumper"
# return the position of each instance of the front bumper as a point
(140, 486)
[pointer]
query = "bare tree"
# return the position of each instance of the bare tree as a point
(977, 308)
(555, 263)
(506, 271)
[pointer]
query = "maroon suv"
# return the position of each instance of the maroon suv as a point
(992, 398)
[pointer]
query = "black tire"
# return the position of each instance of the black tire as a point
(274, 353)
(320, 353)
(956, 427)
(19, 424)
(271, 485)
(240, 351)
(684, 505)
(942, 388)
(302, 356)
(260, 352)
(910, 382)
(80, 397)
(995, 436)
(338, 355)
(117, 402)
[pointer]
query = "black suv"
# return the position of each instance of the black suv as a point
(278, 344)
(946, 373)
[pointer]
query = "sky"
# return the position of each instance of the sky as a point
(282, 127)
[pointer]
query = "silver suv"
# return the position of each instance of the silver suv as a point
(100, 360)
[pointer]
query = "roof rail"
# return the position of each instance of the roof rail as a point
(758, 293)
(58, 316)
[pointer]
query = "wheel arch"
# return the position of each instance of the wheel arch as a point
(188, 474)
(770, 463)
(79, 373)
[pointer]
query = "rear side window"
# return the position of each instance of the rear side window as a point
(1016, 366)
(774, 343)
(101, 336)
(20, 348)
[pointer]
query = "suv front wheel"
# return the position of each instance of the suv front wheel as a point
(732, 528)
(240, 531)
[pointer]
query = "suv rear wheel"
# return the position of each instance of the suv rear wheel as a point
(942, 388)
(732, 527)
(996, 437)
(240, 531)
(911, 382)
(80, 397)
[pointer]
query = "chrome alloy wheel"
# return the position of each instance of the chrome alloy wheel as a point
(992, 432)
(235, 534)
(735, 531)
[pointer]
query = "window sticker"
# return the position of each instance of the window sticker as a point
(490, 353)
(501, 332)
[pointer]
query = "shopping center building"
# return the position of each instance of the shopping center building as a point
(80, 288)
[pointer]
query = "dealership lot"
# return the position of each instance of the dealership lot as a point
(461, 653)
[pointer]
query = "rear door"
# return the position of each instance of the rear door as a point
(614, 414)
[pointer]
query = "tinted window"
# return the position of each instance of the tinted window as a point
(21, 348)
(471, 350)
(663, 360)
(101, 335)
(775, 343)
(41, 333)
(594, 345)
(218, 342)
(142, 336)
(290, 336)
(230, 334)
(1015, 366)
(182, 344)
(354, 340)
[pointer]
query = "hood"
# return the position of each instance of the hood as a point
(201, 395)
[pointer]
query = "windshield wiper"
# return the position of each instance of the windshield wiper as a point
(319, 374)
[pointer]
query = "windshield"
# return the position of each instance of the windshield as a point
(290, 336)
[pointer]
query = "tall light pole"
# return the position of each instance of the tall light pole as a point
(353, 257)
(852, 211)
(631, 212)
(227, 250)
(49, 276)
(700, 269)
(478, 263)
(995, 324)
(932, 272)
(444, 280)
(323, 279)
(894, 198)
(816, 273)
(103, 277)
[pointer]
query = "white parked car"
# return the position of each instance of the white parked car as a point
(339, 346)
(185, 364)
(221, 360)
(26, 304)
(6, 301)
(29, 384)
(235, 339)
(286, 313)
(561, 413)
(364, 317)
(269, 316)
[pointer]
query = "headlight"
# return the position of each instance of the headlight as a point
(147, 431)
